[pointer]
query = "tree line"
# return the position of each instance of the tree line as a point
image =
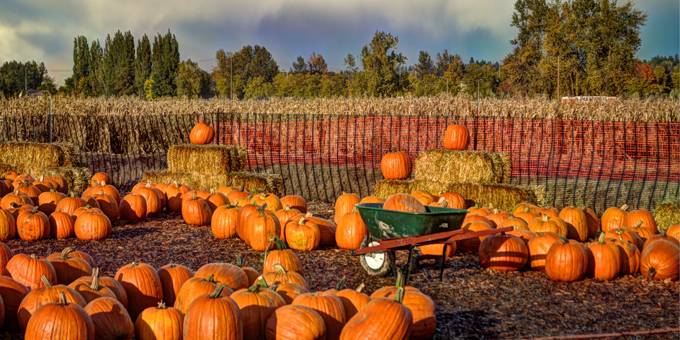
(575, 48)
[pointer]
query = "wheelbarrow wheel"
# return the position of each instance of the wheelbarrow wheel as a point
(379, 263)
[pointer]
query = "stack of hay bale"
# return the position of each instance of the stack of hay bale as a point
(481, 177)
(207, 167)
(42, 159)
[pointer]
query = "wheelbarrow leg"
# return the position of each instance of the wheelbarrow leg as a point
(442, 264)
(409, 265)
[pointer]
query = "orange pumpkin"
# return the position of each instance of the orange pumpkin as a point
(92, 289)
(660, 260)
(33, 225)
(351, 231)
(48, 294)
(8, 229)
(217, 199)
(159, 322)
(260, 229)
(196, 211)
(255, 306)
(201, 133)
(344, 204)
(66, 321)
(92, 225)
(132, 208)
(405, 203)
(142, 286)
(12, 293)
(194, 288)
(640, 219)
(226, 273)
(503, 253)
(452, 200)
(302, 234)
(539, 247)
(604, 259)
(285, 258)
(224, 221)
(456, 137)
(294, 322)
(395, 165)
(294, 202)
(172, 277)
(545, 224)
(111, 320)
(329, 307)
(28, 270)
(471, 245)
(613, 218)
(213, 314)
(566, 262)
(577, 223)
(47, 201)
(421, 306)
(68, 267)
(424, 197)
(100, 178)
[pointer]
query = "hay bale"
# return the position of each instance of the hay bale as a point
(78, 179)
(37, 156)
(5, 167)
(449, 166)
(242, 180)
(667, 213)
(388, 187)
(206, 159)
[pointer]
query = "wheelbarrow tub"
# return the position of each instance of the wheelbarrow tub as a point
(389, 224)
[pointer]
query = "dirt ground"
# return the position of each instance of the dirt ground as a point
(471, 302)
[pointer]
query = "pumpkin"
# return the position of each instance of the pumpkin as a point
(674, 232)
(251, 273)
(381, 318)
(132, 208)
(396, 165)
(154, 204)
(235, 196)
(546, 224)
(111, 320)
(660, 260)
(499, 216)
(61, 225)
(437, 249)
(224, 221)
(503, 253)
(159, 322)
(456, 137)
(280, 275)
(47, 201)
(640, 219)
(577, 223)
(326, 227)
(15, 198)
(226, 273)
(294, 202)
(270, 202)
(83, 255)
(44, 185)
(5, 255)
(33, 225)
(194, 288)
(260, 228)
(196, 211)
(286, 258)
(295, 322)
(302, 234)
(92, 289)
(630, 257)
(539, 247)
(593, 222)
(471, 245)
(100, 178)
(329, 307)
(371, 199)
(289, 291)
(92, 225)
(478, 218)
(255, 308)
(243, 216)
(66, 321)
(108, 206)
(421, 306)
(201, 133)
(621, 234)
(67, 267)
(613, 218)
(403, 202)
(452, 200)
(566, 262)
(59, 182)
(70, 204)
(174, 194)
(344, 204)
(47, 294)
(526, 213)
(173, 276)
(353, 300)
(29, 190)
(604, 259)
(424, 197)
(142, 286)
(284, 216)
(12, 293)
(217, 199)
(84, 283)
(213, 314)
(351, 231)
(28, 270)
(8, 229)
(108, 189)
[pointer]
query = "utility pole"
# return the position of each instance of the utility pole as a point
(25, 81)
(231, 76)
(558, 78)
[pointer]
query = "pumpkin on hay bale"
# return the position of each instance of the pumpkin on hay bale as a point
(37, 156)
(206, 159)
(448, 166)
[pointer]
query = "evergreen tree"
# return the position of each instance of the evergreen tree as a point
(425, 65)
(383, 66)
(95, 78)
(164, 64)
(142, 64)
(299, 65)
(192, 81)
(317, 64)
(241, 67)
(81, 65)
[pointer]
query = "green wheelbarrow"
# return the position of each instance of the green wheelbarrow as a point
(389, 231)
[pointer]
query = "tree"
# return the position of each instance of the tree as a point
(317, 64)
(299, 65)
(192, 81)
(81, 65)
(164, 64)
(425, 65)
(241, 67)
(450, 68)
(118, 67)
(383, 66)
(142, 64)
(95, 78)
(21, 78)
(351, 63)
(258, 87)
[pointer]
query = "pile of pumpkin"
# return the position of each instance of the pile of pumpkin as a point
(63, 296)
(556, 241)
(38, 209)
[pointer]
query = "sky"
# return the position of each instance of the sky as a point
(43, 30)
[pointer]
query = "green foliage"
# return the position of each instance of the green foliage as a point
(142, 63)
(164, 64)
(239, 68)
(258, 88)
(192, 81)
(383, 66)
(148, 90)
(19, 78)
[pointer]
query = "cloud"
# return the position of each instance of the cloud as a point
(44, 29)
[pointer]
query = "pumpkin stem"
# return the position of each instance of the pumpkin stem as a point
(254, 288)
(651, 273)
(400, 287)
(211, 278)
(280, 268)
(45, 281)
(217, 292)
(95, 279)
(341, 284)
(240, 261)
(62, 299)
(360, 287)
(66, 251)
(263, 282)
(161, 305)
(601, 238)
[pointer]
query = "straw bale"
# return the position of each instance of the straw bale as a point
(77, 178)
(257, 182)
(449, 166)
(206, 159)
(37, 156)
(247, 181)
(667, 213)
(388, 187)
